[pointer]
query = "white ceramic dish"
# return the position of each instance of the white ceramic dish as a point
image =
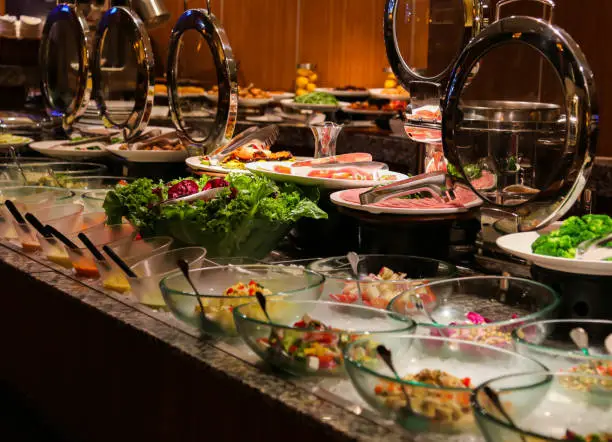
(149, 156)
(23, 141)
(337, 199)
(282, 96)
(254, 102)
(343, 94)
(267, 169)
(316, 107)
(519, 244)
(52, 149)
(377, 113)
(378, 94)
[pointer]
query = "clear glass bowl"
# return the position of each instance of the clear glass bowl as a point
(95, 182)
(94, 200)
(544, 406)
(7, 227)
(55, 251)
(304, 351)
(549, 342)
(151, 270)
(341, 285)
(82, 260)
(35, 198)
(443, 408)
(501, 304)
(49, 174)
(212, 282)
(65, 217)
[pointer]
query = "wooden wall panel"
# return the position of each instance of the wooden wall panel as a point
(345, 39)
(263, 37)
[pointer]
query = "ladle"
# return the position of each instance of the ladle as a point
(353, 259)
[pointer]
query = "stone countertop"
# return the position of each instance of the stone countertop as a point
(317, 411)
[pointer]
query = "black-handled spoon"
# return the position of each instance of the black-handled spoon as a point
(494, 398)
(91, 247)
(385, 354)
(184, 267)
(60, 236)
(40, 228)
(14, 211)
(120, 262)
(261, 299)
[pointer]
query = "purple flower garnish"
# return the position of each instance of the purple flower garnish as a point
(475, 318)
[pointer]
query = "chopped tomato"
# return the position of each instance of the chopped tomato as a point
(327, 361)
(344, 298)
(282, 169)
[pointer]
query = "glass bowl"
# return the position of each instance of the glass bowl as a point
(484, 309)
(545, 406)
(7, 227)
(82, 260)
(549, 342)
(54, 250)
(49, 174)
(440, 403)
(113, 278)
(94, 182)
(383, 277)
(291, 343)
(35, 198)
(65, 217)
(94, 199)
(151, 270)
(213, 283)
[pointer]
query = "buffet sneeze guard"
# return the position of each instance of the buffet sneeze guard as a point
(64, 61)
(204, 22)
(130, 61)
(568, 132)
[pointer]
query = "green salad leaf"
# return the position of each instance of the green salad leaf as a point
(317, 98)
(473, 171)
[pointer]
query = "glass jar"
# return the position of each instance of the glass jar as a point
(305, 78)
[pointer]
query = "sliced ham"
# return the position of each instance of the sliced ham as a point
(463, 196)
(486, 181)
(344, 158)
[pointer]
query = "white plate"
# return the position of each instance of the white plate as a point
(336, 198)
(254, 102)
(343, 94)
(267, 169)
(378, 93)
(282, 96)
(196, 164)
(348, 110)
(87, 129)
(67, 152)
(519, 244)
(149, 156)
(316, 107)
(266, 119)
(24, 142)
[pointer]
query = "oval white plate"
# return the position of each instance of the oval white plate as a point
(149, 156)
(196, 164)
(317, 107)
(348, 110)
(282, 96)
(68, 152)
(267, 169)
(343, 94)
(519, 244)
(378, 93)
(254, 102)
(337, 198)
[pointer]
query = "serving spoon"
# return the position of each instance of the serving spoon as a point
(184, 268)
(385, 355)
(120, 262)
(494, 398)
(353, 259)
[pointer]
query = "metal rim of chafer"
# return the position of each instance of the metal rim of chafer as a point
(207, 25)
(144, 93)
(400, 68)
(67, 13)
(569, 175)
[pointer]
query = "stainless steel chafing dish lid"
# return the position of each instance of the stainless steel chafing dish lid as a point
(126, 20)
(510, 111)
(68, 18)
(564, 176)
(210, 29)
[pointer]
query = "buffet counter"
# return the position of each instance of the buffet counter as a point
(69, 350)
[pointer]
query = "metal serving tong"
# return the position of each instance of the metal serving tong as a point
(598, 249)
(435, 183)
(267, 135)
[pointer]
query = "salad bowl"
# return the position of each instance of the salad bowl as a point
(436, 375)
(224, 288)
(546, 407)
(550, 343)
(381, 277)
(307, 337)
(483, 309)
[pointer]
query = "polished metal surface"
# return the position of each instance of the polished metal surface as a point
(546, 3)
(406, 74)
(152, 12)
(436, 184)
(566, 176)
(144, 93)
(68, 17)
(510, 111)
(211, 30)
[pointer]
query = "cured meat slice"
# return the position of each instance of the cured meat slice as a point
(344, 158)
(463, 196)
